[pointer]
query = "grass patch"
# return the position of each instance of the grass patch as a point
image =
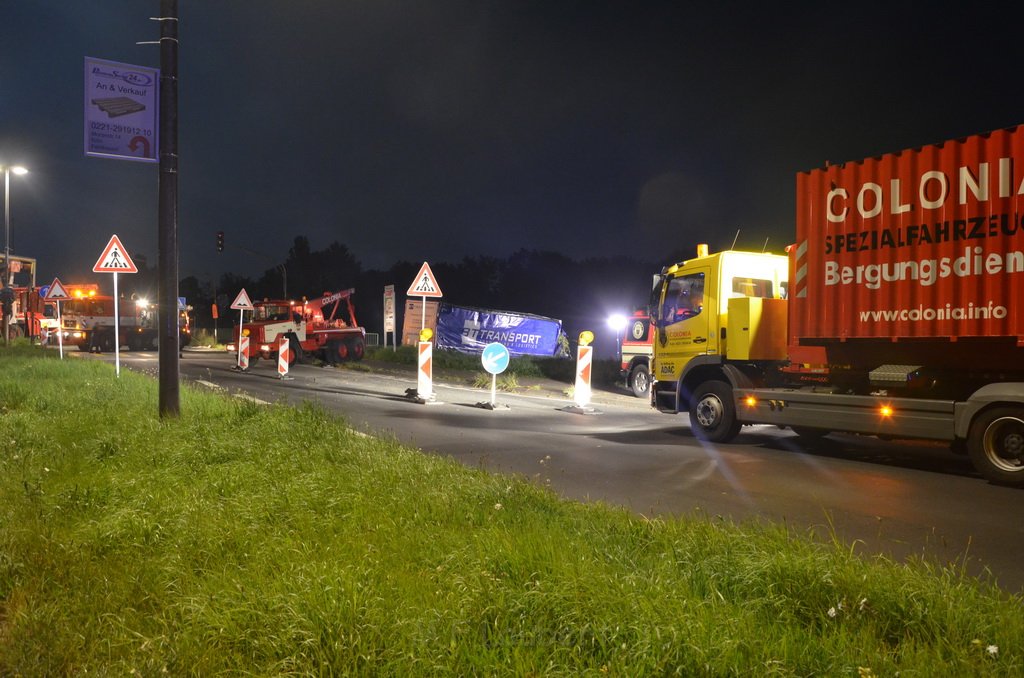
(269, 540)
(205, 339)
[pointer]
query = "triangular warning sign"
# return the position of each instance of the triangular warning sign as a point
(114, 259)
(242, 301)
(424, 285)
(56, 291)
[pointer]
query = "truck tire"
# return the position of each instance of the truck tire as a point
(295, 354)
(713, 413)
(640, 380)
(996, 445)
(337, 351)
(356, 348)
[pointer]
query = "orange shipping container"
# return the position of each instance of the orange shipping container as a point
(925, 245)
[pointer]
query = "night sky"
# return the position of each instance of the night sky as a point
(440, 129)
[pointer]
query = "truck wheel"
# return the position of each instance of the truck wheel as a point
(996, 445)
(294, 351)
(713, 413)
(106, 343)
(356, 349)
(337, 352)
(640, 380)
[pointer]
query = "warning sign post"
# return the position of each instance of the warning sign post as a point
(424, 285)
(56, 293)
(115, 260)
(243, 304)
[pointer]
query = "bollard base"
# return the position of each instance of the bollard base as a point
(285, 377)
(414, 396)
(576, 409)
(494, 407)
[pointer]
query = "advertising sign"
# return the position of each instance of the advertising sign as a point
(470, 330)
(389, 308)
(121, 111)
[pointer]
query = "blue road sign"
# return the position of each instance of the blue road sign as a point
(494, 358)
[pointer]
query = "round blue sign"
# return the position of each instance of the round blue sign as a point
(495, 358)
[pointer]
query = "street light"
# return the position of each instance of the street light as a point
(19, 170)
(617, 322)
(8, 294)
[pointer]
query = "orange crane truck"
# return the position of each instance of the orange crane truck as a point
(314, 328)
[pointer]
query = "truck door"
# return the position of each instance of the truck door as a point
(682, 323)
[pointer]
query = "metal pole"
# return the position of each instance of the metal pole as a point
(7, 225)
(117, 332)
(167, 229)
(7, 248)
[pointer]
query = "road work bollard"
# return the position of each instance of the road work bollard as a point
(425, 371)
(243, 353)
(284, 356)
(584, 364)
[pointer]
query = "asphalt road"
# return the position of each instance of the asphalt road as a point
(896, 498)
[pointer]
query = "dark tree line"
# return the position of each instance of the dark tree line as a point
(580, 293)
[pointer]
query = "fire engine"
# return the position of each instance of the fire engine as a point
(636, 352)
(88, 321)
(28, 312)
(312, 327)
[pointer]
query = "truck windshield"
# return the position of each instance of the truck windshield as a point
(273, 312)
(684, 298)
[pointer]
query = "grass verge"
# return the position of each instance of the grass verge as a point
(245, 539)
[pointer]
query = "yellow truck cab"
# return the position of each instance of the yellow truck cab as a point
(708, 311)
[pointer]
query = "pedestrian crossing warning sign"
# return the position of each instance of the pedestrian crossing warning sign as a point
(114, 259)
(425, 284)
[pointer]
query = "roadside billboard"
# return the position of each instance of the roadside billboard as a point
(470, 330)
(121, 111)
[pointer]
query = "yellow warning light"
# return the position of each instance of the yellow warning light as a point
(586, 338)
(885, 411)
(245, 332)
(751, 401)
(426, 334)
(702, 250)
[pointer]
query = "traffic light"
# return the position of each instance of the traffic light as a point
(220, 241)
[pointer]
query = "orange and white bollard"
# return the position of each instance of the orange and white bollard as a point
(425, 371)
(243, 353)
(284, 356)
(584, 363)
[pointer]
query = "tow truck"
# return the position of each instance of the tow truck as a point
(313, 327)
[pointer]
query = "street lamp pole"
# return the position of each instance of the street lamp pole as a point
(7, 241)
(7, 218)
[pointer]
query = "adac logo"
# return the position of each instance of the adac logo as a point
(131, 77)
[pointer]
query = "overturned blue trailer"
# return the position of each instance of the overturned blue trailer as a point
(468, 330)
